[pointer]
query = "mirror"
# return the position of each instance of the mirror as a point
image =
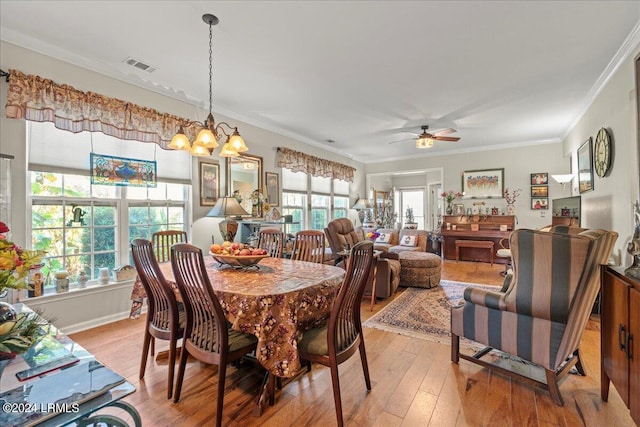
(244, 174)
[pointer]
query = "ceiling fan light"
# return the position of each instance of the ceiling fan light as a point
(180, 141)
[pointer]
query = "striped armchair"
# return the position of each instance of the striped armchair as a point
(540, 317)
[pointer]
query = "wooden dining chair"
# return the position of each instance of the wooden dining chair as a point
(207, 336)
(308, 245)
(163, 240)
(165, 316)
(337, 341)
(272, 240)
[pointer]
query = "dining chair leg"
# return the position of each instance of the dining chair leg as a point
(172, 363)
(335, 381)
(365, 365)
(145, 353)
(222, 372)
(153, 345)
(184, 354)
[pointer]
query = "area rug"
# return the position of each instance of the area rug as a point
(424, 313)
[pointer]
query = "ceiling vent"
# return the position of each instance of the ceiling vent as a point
(139, 65)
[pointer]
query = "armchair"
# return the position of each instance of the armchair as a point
(541, 315)
(340, 232)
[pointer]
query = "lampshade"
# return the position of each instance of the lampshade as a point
(224, 207)
(361, 204)
(227, 206)
(563, 179)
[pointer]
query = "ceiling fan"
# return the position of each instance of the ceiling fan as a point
(426, 139)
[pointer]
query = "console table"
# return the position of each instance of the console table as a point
(251, 227)
(480, 228)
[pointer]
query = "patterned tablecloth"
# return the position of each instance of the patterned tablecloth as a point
(276, 303)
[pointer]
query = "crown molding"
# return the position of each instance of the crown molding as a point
(628, 48)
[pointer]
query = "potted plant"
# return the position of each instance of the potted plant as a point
(409, 222)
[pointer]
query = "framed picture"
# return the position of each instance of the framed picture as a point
(380, 197)
(484, 183)
(458, 209)
(539, 203)
(272, 180)
(539, 191)
(209, 183)
(540, 178)
(585, 166)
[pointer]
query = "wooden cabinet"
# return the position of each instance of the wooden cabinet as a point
(475, 227)
(620, 339)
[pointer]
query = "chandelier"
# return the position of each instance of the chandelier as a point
(211, 133)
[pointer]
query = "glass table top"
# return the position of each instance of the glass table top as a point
(57, 382)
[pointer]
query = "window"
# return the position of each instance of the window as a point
(85, 227)
(413, 198)
(329, 199)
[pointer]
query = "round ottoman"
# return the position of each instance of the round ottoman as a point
(419, 269)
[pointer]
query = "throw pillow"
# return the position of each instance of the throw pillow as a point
(383, 238)
(409, 241)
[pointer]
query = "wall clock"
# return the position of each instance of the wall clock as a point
(602, 153)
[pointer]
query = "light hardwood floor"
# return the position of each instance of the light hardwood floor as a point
(414, 383)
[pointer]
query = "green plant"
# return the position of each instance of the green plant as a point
(15, 262)
(21, 334)
(409, 215)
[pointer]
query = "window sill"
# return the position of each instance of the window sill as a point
(76, 292)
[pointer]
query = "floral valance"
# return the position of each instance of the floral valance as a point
(42, 100)
(315, 166)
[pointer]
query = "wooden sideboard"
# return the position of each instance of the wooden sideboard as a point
(475, 227)
(620, 338)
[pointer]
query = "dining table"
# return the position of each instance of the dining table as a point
(276, 300)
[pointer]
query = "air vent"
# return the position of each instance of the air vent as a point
(139, 65)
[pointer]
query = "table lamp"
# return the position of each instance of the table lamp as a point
(361, 205)
(228, 207)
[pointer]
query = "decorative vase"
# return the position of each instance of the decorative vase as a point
(510, 209)
(449, 210)
(83, 279)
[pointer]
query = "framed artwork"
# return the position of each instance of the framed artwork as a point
(539, 203)
(209, 183)
(539, 191)
(273, 188)
(540, 178)
(458, 209)
(484, 183)
(585, 166)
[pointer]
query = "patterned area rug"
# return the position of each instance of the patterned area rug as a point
(424, 313)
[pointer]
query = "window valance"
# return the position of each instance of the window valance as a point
(315, 166)
(42, 100)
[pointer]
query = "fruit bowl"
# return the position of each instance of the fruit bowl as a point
(240, 261)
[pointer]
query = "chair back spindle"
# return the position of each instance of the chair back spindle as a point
(309, 246)
(163, 240)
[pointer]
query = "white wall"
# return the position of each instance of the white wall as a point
(608, 206)
(518, 164)
(97, 306)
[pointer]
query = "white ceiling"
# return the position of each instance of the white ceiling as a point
(356, 72)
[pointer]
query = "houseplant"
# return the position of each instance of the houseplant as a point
(409, 222)
(449, 197)
(510, 198)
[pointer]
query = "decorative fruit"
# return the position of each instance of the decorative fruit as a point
(236, 246)
(215, 248)
(244, 252)
(226, 244)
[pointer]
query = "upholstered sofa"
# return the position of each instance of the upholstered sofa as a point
(393, 240)
(341, 232)
(404, 237)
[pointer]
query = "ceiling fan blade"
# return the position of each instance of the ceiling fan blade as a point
(446, 138)
(444, 131)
